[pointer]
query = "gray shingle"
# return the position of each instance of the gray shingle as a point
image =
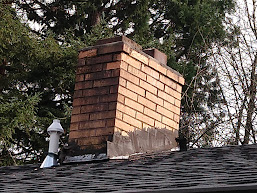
(197, 170)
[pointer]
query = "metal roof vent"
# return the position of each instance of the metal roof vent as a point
(54, 130)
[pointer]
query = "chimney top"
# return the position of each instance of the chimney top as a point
(153, 52)
(124, 39)
(157, 54)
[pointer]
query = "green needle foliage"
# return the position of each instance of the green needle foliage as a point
(37, 67)
(36, 85)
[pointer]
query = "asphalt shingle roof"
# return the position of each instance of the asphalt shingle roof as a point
(197, 170)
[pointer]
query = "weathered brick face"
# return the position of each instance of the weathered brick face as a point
(120, 91)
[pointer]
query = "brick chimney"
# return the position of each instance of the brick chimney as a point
(125, 101)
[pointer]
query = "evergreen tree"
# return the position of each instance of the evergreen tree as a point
(37, 66)
(37, 76)
(36, 84)
(185, 30)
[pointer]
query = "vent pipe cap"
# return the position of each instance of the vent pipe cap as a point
(54, 130)
(55, 126)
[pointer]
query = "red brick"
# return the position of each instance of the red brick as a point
(99, 75)
(135, 88)
(108, 98)
(177, 103)
(148, 87)
(176, 126)
(74, 126)
(81, 133)
(132, 121)
(122, 82)
(125, 109)
(77, 94)
(79, 77)
(124, 74)
(154, 98)
(88, 53)
(157, 67)
(151, 72)
(104, 131)
(94, 108)
(168, 105)
(145, 126)
(121, 98)
(123, 126)
(168, 82)
(89, 69)
(172, 75)
(114, 89)
(79, 118)
(153, 64)
(169, 90)
(136, 72)
(155, 115)
(112, 106)
(144, 101)
(166, 96)
(145, 119)
(115, 72)
(92, 124)
(83, 85)
(110, 122)
(85, 101)
(181, 80)
(96, 91)
(159, 124)
(139, 56)
(99, 59)
(102, 115)
(176, 118)
(124, 65)
(119, 114)
(169, 122)
(176, 110)
(134, 105)
(113, 65)
(179, 88)
(76, 102)
(111, 48)
(75, 110)
(172, 107)
(155, 82)
(126, 58)
(177, 95)
(165, 112)
(127, 93)
(81, 62)
(173, 93)
(106, 82)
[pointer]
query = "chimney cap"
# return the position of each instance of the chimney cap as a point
(55, 126)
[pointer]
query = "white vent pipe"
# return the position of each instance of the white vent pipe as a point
(54, 130)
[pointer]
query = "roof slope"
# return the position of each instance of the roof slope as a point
(197, 170)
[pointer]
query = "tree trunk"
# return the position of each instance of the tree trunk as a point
(251, 105)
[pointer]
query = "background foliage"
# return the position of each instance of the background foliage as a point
(37, 65)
